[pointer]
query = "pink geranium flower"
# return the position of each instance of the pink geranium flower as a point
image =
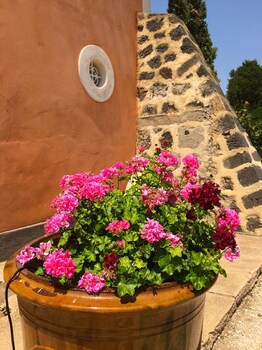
(117, 225)
(91, 282)
(232, 254)
(136, 164)
(65, 202)
(58, 221)
(59, 264)
(167, 159)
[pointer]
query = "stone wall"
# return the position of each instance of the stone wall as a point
(180, 100)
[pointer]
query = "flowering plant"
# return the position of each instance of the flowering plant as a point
(163, 227)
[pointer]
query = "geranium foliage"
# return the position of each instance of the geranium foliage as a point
(163, 227)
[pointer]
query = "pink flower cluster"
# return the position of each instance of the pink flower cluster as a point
(29, 253)
(207, 195)
(114, 170)
(57, 221)
(72, 183)
(91, 282)
(65, 203)
(60, 264)
(232, 254)
(167, 159)
(118, 225)
(224, 237)
(136, 164)
(191, 164)
(153, 231)
(153, 197)
(93, 190)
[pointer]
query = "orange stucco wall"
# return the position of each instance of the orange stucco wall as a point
(49, 124)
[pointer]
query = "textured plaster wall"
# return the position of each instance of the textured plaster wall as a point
(180, 100)
(49, 125)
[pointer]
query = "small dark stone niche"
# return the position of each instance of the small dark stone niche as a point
(170, 57)
(142, 39)
(166, 140)
(141, 93)
(253, 223)
(186, 66)
(227, 183)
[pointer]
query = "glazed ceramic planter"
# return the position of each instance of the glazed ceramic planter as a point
(166, 318)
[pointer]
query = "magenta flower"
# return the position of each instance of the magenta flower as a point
(191, 161)
(153, 197)
(174, 239)
(72, 183)
(136, 164)
(26, 255)
(59, 264)
(91, 282)
(93, 190)
(117, 225)
(65, 202)
(228, 220)
(152, 231)
(120, 243)
(191, 192)
(232, 254)
(113, 171)
(58, 221)
(167, 159)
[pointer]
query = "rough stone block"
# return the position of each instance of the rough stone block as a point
(252, 200)
(227, 183)
(146, 51)
(162, 48)
(237, 160)
(186, 66)
(197, 104)
(202, 71)
(155, 62)
(190, 137)
(141, 93)
(188, 46)
(168, 108)
(150, 110)
(159, 35)
(250, 175)
(144, 139)
(143, 39)
(174, 19)
(177, 33)
(253, 223)
(166, 73)
(154, 24)
(158, 89)
(226, 123)
(236, 141)
(146, 75)
(208, 88)
(179, 89)
(170, 57)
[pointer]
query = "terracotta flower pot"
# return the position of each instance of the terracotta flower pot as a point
(166, 318)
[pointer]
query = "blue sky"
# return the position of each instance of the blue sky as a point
(235, 27)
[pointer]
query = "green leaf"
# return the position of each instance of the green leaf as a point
(124, 288)
(164, 261)
(64, 239)
(39, 271)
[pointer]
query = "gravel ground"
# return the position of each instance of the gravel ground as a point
(244, 330)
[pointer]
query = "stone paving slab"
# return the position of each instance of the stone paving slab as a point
(222, 300)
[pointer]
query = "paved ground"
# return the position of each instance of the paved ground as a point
(244, 330)
(233, 311)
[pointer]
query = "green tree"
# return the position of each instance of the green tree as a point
(244, 92)
(193, 13)
(245, 85)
